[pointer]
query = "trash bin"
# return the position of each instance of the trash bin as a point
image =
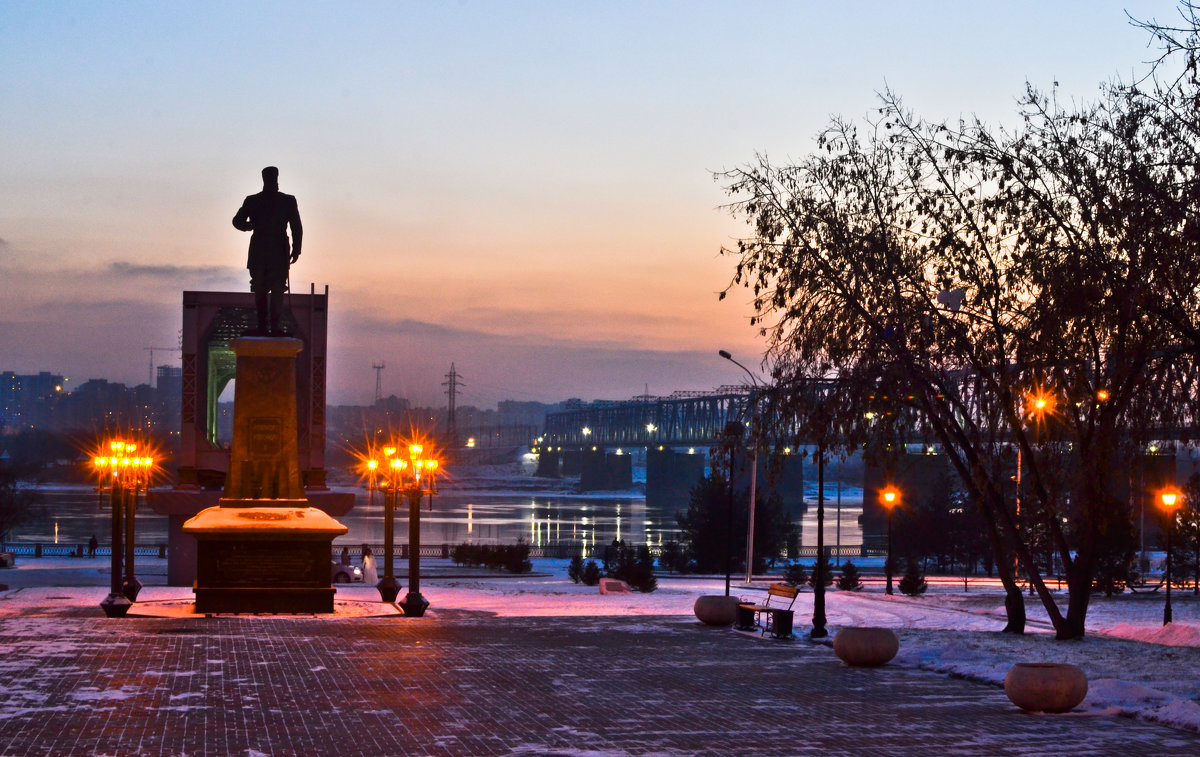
(745, 617)
(781, 624)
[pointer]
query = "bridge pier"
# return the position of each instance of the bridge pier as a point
(788, 482)
(602, 471)
(670, 476)
(572, 462)
(548, 464)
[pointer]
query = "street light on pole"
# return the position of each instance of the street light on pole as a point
(889, 498)
(1170, 500)
(818, 623)
(422, 480)
(127, 473)
(136, 471)
(753, 464)
(733, 437)
(392, 471)
(413, 477)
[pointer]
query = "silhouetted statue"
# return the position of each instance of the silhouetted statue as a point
(268, 214)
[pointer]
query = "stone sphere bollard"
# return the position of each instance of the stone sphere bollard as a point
(1045, 686)
(716, 609)
(865, 647)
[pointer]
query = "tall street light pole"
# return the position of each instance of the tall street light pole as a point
(1170, 500)
(890, 497)
(422, 480)
(818, 629)
(137, 479)
(733, 434)
(753, 464)
(393, 466)
(126, 474)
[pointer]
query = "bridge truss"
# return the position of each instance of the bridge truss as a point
(683, 419)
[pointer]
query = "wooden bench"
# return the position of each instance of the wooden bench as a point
(772, 616)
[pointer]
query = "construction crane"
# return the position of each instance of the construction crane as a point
(150, 378)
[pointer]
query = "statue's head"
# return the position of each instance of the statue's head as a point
(270, 176)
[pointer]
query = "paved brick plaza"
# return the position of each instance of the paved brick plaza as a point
(458, 683)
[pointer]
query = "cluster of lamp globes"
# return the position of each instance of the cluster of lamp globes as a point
(124, 464)
(415, 470)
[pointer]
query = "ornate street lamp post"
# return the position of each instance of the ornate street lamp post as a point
(137, 479)
(126, 474)
(392, 467)
(889, 498)
(422, 480)
(1170, 500)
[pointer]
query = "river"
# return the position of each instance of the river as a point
(72, 514)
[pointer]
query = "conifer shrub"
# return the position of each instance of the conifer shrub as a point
(826, 571)
(850, 579)
(641, 573)
(633, 565)
(465, 554)
(913, 583)
(511, 557)
(795, 574)
(674, 558)
(591, 573)
(575, 569)
(515, 558)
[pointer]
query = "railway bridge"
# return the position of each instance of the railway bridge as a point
(595, 442)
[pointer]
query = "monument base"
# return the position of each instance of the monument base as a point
(279, 599)
(263, 559)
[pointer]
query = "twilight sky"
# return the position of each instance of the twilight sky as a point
(521, 188)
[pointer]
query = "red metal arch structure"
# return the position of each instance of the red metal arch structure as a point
(210, 321)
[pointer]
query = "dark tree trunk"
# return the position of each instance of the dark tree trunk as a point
(1014, 599)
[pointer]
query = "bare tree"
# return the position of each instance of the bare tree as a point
(990, 291)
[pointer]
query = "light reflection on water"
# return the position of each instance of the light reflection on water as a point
(80, 512)
(851, 508)
(540, 520)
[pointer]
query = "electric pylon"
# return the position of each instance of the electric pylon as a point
(452, 383)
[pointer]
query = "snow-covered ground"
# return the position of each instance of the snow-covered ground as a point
(1135, 666)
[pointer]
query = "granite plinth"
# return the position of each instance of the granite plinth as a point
(180, 504)
(264, 457)
(263, 559)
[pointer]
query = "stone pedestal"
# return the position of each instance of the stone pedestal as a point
(264, 548)
(263, 559)
(264, 461)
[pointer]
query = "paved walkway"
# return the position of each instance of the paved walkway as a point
(456, 683)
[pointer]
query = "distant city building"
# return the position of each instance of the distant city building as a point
(40, 402)
(168, 394)
(22, 397)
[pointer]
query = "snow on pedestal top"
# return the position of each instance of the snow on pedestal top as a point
(257, 520)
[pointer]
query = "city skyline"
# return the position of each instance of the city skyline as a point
(524, 190)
